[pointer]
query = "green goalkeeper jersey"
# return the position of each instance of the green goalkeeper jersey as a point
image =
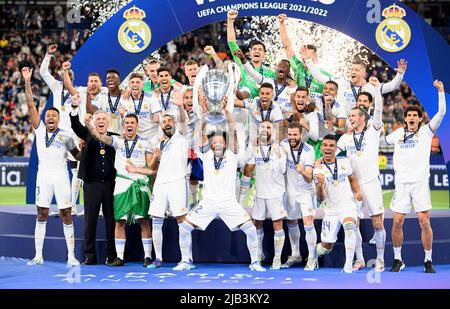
(304, 78)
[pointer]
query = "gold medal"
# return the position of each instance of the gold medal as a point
(102, 151)
(216, 172)
(335, 183)
(113, 116)
(358, 153)
(63, 108)
(266, 165)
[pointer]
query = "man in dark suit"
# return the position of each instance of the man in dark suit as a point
(98, 172)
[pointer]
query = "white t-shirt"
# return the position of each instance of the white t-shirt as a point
(411, 159)
(54, 157)
(137, 157)
(221, 185)
(365, 165)
(147, 127)
(295, 182)
(269, 176)
(104, 104)
(173, 160)
(340, 197)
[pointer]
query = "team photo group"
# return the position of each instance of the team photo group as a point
(239, 141)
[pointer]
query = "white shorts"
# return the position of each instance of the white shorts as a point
(416, 194)
(331, 224)
(51, 183)
(300, 206)
(372, 195)
(207, 210)
(173, 194)
(269, 208)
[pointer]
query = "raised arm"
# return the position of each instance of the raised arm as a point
(95, 134)
(51, 82)
(312, 67)
(90, 108)
(320, 184)
(285, 40)
(437, 119)
(231, 17)
(209, 50)
(131, 168)
(377, 121)
(66, 79)
(32, 111)
(235, 146)
(75, 123)
(394, 84)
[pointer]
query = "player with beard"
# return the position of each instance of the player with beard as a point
(332, 114)
(362, 146)
(257, 56)
(261, 109)
(337, 188)
(111, 103)
(52, 146)
(349, 89)
(151, 70)
(300, 195)
(412, 146)
(269, 161)
(141, 104)
(132, 161)
(219, 199)
(302, 75)
(170, 191)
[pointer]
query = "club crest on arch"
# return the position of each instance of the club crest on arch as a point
(393, 34)
(134, 35)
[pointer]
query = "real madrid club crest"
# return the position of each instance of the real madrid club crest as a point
(134, 35)
(393, 34)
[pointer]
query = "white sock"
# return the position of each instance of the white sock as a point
(147, 243)
(120, 247)
(398, 253)
(349, 242)
(70, 239)
(294, 239)
(185, 241)
(321, 250)
(157, 236)
(260, 234)
(252, 240)
(380, 240)
(428, 255)
(311, 240)
(358, 244)
(194, 192)
(39, 236)
(76, 184)
(278, 240)
(245, 184)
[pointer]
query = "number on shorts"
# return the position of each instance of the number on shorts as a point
(38, 190)
(197, 208)
(326, 225)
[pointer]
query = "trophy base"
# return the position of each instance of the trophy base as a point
(216, 119)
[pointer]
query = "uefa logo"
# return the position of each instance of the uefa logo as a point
(393, 34)
(134, 35)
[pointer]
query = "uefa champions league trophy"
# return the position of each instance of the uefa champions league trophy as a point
(215, 86)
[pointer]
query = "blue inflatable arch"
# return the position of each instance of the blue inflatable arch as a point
(425, 50)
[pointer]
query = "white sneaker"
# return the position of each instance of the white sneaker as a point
(184, 266)
(100, 214)
(347, 269)
(359, 264)
(291, 261)
(36, 261)
(276, 264)
(72, 261)
(256, 266)
(379, 266)
(311, 264)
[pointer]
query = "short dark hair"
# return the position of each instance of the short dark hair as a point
(330, 137)
(333, 83)
(267, 85)
(312, 47)
(112, 70)
(256, 42)
(295, 125)
(131, 116)
(413, 108)
(287, 61)
(136, 75)
(302, 88)
(52, 108)
(367, 94)
(94, 74)
(361, 63)
(362, 112)
(163, 69)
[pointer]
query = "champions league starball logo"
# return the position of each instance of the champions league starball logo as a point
(393, 34)
(134, 35)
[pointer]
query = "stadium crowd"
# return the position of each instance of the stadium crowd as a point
(45, 25)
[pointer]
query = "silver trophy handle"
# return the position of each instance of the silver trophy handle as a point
(234, 73)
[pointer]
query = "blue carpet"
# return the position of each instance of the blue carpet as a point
(15, 274)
